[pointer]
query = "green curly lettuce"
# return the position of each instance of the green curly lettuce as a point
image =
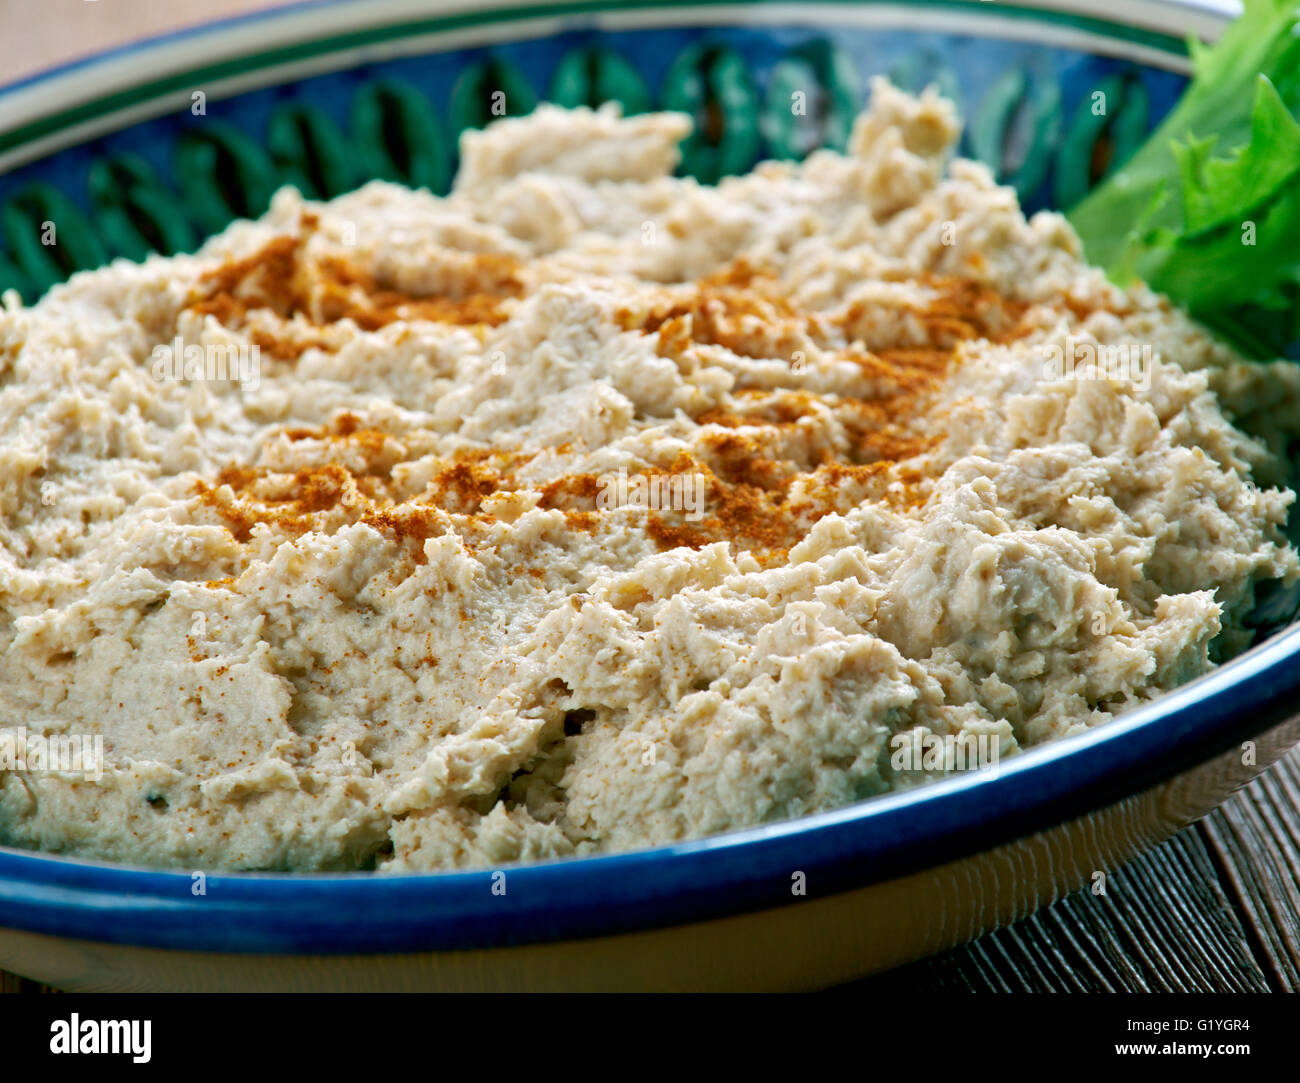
(1208, 210)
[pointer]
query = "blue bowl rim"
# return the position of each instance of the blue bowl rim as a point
(744, 871)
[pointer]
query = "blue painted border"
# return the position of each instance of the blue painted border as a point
(974, 62)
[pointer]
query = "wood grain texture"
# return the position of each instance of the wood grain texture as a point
(1256, 838)
(1165, 924)
(1216, 909)
(12, 983)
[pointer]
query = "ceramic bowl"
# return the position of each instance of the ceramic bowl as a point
(117, 152)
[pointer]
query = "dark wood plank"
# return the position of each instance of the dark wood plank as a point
(1256, 839)
(12, 983)
(1166, 923)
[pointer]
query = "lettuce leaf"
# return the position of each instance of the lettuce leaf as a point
(1208, 210)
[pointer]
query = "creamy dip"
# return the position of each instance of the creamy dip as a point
(591, 508)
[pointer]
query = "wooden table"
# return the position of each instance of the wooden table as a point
(1215, 909)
